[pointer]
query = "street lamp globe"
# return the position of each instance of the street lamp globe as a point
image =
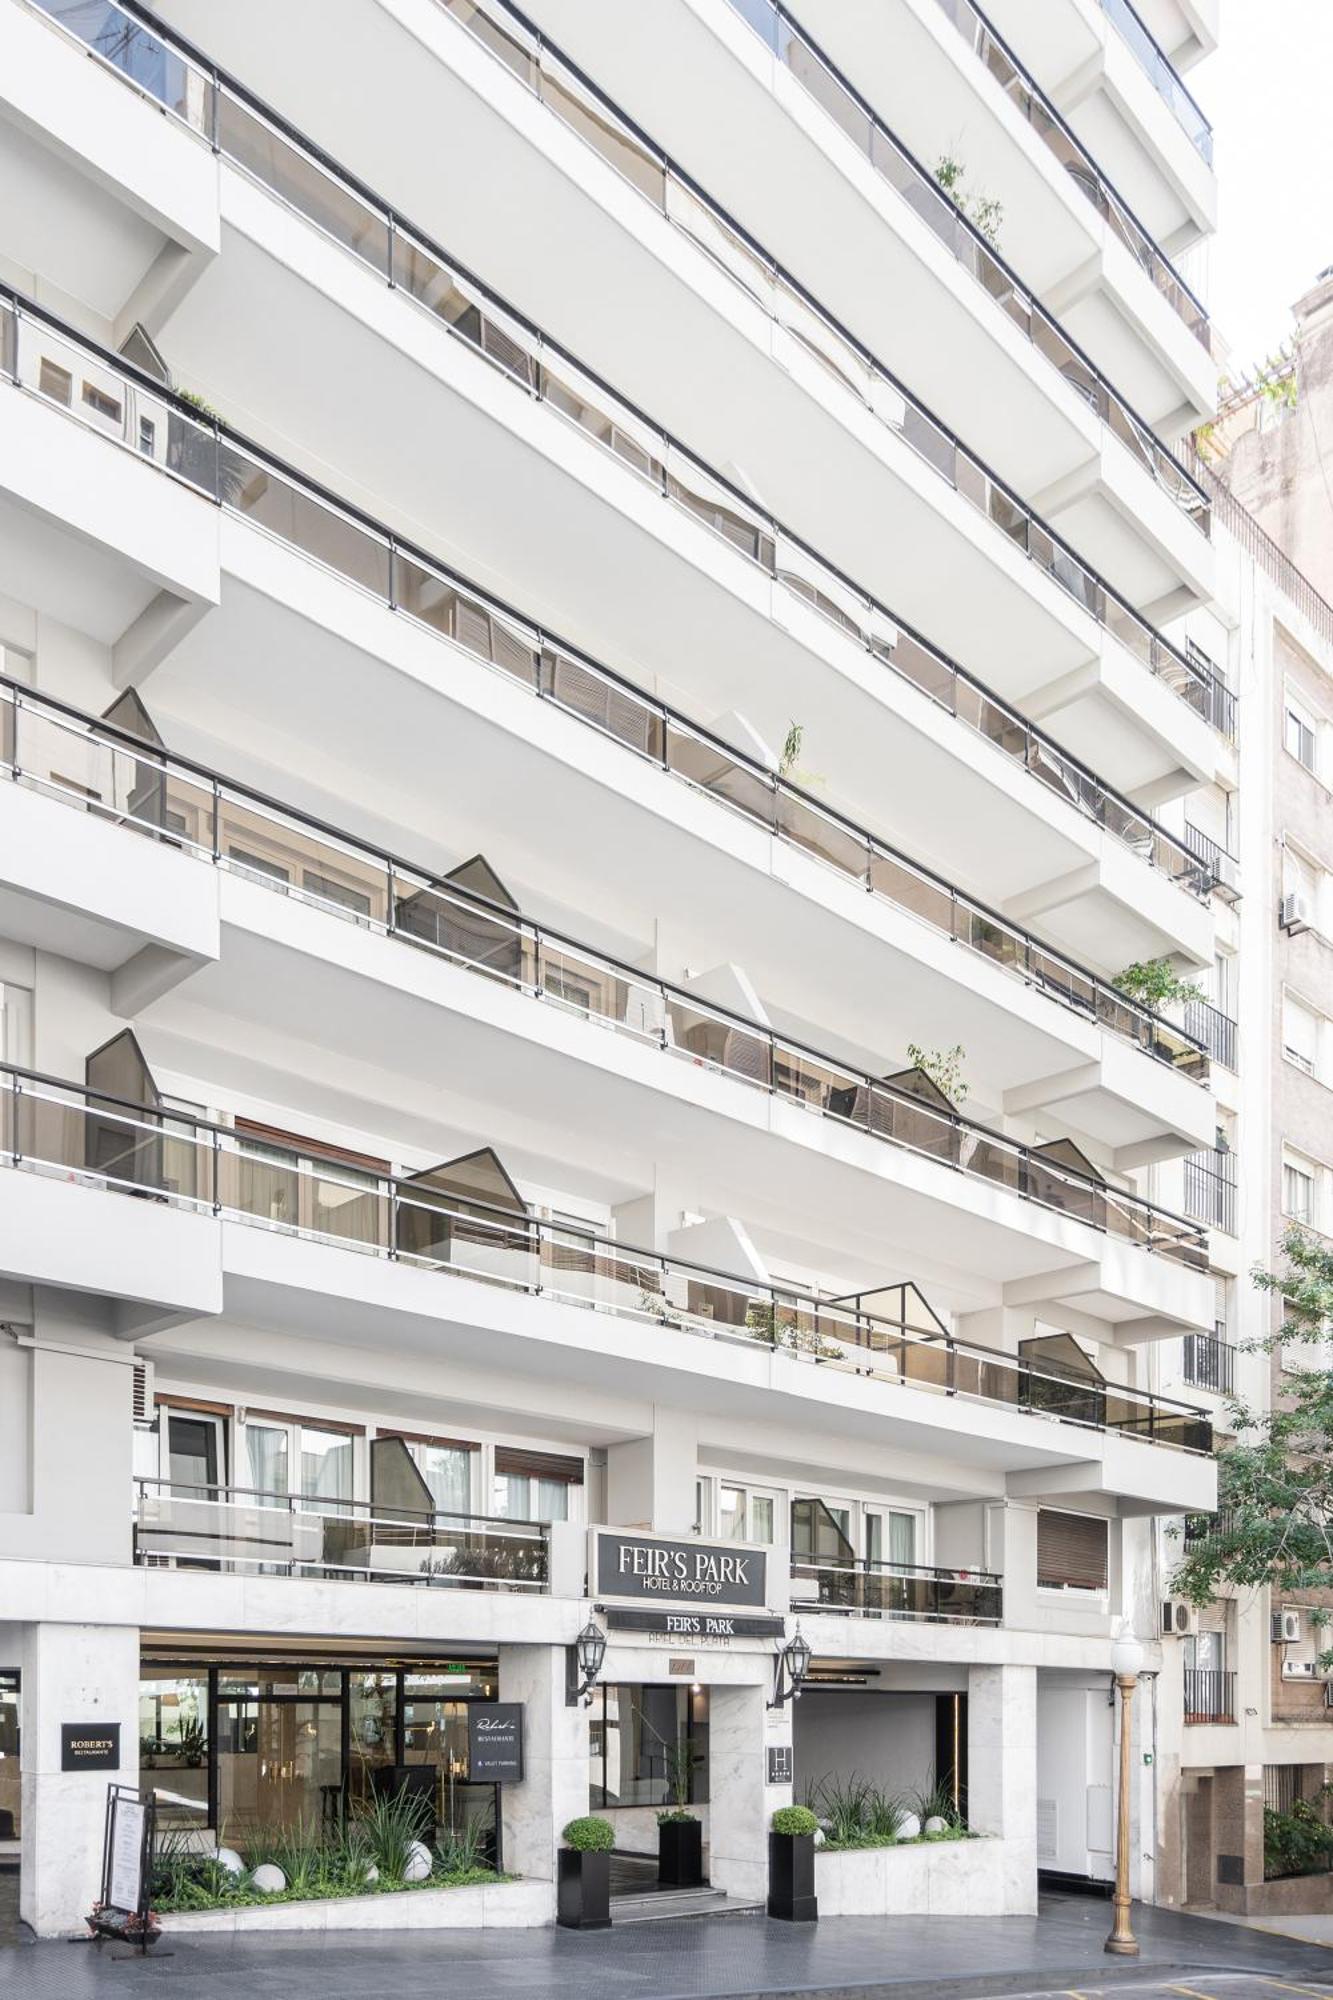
(1126, 1658)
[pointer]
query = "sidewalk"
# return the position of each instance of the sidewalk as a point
(849, 1958)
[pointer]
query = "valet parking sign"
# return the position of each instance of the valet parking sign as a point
(650, 1571)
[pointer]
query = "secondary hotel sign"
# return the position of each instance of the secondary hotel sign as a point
(648, 1570)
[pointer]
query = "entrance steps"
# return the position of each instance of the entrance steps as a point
(658, 1905)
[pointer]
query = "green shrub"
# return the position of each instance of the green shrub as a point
(590, 1835)
(794, 1819)
(1299, 1842)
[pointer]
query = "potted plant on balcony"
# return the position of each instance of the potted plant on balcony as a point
(583, 1883)
(680, 1833)
(791, 1865)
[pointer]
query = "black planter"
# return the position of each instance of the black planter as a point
(583, 1891)
(791, 1877)
(680, 1853)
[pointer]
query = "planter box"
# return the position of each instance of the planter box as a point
(508, 1905)
(977, 1878)
(791, 1877)
(583, 1891)
(680, 1854)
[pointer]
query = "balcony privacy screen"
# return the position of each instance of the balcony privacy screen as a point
(1071, 1552)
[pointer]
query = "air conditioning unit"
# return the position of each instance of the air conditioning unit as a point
(1286, 1628)
(1294, 914)
(1179, 1619)
(1300, 1670)
(1226, 877)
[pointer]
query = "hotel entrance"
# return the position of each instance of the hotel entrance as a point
(234, 1749)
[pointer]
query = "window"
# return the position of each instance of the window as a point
(147, 436)
(55, 382)
(296, 1459)
(1072, 1551)
(537, 1485)
(1300, 1034)
(1207, 1652)
(1298, 1187)
(101, 404)
(745, 1513)
(1299, 876)
(1298, 733)
(447, 1470)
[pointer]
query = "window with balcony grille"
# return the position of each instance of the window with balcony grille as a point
(1072, 1551)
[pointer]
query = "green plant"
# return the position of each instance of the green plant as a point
(761, 1319)
(982, 211)
(1154, 983)
(1298, 1842)
(936, 1803)
(193, 1741)
(678, 1759)
(944, 1067)
(855, 1813)
(794, 1819)
(590, 1835)
(791, 749)
(386, 1827)
(462, 1850)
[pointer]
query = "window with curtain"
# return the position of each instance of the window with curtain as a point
(1297, 1192)
(266, 1454)
(536, 1485)
(447, 1470)
(745, 1513)
(892, 1537)
(326, 1463)
(1072, 1551)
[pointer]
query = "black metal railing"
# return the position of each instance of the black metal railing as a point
(1210, 1189)
(86, 1136)
(165, 430)
(266, 148)
(870, 1589)
(293, 1534)
(1212, 1028)
(1210, 1695)
(1202, 1528)
(1210, 1363)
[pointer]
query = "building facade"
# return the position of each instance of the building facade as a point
(639, 568)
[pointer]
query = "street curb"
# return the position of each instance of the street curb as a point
(1044, 1979)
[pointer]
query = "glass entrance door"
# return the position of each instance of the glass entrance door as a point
(10, 1815)
(194, 1449)
(280, 1750)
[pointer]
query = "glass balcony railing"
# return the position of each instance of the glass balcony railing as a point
(578, 102)
(164, 430)
(1022, 89)
(1158, 69)
(99, 771)
(234, 1529)
(253, 140)
(84, 1137)
(867, 1589)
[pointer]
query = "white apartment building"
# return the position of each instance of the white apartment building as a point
(567, 611)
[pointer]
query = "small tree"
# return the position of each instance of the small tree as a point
(1154, 982)
(1274, 1524)
(944, 1067)
(982, 211)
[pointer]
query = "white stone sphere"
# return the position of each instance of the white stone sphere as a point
(418, 1863)
(228, 1858)
(819, 1836)
(269, 1879)
(937, 1825)
(910, 1828)
(370, 1873)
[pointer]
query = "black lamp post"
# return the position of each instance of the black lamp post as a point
(583, 1663)
(792, 1666)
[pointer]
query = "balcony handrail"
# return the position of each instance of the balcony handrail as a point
(1162, 73)
(1040, 965)
(800, 1326)
(978, 1150)
(1184, 301)
(345, 1507)
(1131, 431)
(882, 1566)
(1209, 1694)
(1159, 655)
(859, 1586)
(1216, 1030)
(927, 1127)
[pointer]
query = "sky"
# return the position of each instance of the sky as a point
(1268, 92)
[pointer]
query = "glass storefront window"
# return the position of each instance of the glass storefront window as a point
(279, 1763)
(173, 1745)
(372, 1731)
(11, 1819)
(634, 1729)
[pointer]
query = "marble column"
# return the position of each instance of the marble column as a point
(740, 1800)
(554, 1788)
(1002, 1772)
(84, 1674)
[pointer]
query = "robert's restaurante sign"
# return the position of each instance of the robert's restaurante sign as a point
(641, 1567)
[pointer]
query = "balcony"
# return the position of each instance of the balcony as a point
(213, 461)
(197, 814)
(1210, 1695)
(1156, 66)
(833, 397)
(867, 1589)
(53, 1129)
(1210, 1362)
(1213, 1030)
(245, 1532)
(1210, 1190)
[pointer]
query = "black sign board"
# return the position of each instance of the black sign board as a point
(779, 1764)
(90, 1746)
(694, 1624)
(679, 1572)
(495, 1742)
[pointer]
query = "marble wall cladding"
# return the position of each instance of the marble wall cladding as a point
(554, 1788)
(507, 1905)
(741, 1800)
(975, 1878)
(1002, 1751)
(83, 1674)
